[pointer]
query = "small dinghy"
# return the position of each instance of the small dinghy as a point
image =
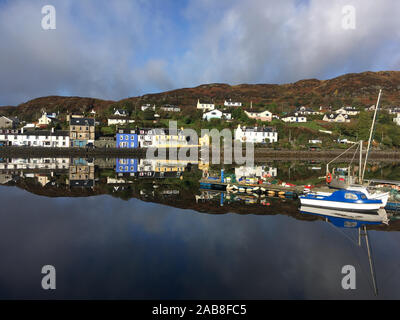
(346, 200)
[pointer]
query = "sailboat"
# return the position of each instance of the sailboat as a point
(345, 200)
(349, 182)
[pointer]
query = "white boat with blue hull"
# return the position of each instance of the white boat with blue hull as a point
(345, 200)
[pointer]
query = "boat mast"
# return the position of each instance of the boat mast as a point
(370, 133)
(371, 264)
(360, 164)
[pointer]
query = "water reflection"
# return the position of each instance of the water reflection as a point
(159, 243)
(198, 184)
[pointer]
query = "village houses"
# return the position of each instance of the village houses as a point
(336, 117)
(36, 138)
(256, 134)
(205, 106)
(216, 114)
(8, 122)
(46, 119)
(263, 116)
(394, 110)
(397, 119)
(350, 111)
(170, 108)
(81, 130)
(120, 113)
(148, 106)
(231, 103)
(152, 137)
(307, 111)
(294, 117)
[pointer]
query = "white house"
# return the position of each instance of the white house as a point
(344, 141)
(231, 103)
(338, 117)
(37, 138)
(397, 119)
(36, 163)
(255, 171)
(315, 141)
(295, 117)
(120, 113)
(205, 106)
(263, 116)
(394, 110)
(256, 134)
(350, 111)
(148, 106)
(115, 121)
(307, 111)
(46, 119)
(170, 108)
(370, 108)
(216, 114)
(8, 122)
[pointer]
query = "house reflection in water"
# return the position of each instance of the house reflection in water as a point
(81, 173)
(150, 168)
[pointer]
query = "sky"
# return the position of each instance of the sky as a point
(122, 48)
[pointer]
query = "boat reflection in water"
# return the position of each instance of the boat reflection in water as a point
(352, 219)
(355, 220)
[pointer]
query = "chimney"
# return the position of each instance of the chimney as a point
(52, 130)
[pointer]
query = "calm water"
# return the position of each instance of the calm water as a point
(150, 246)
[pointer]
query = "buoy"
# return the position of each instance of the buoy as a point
(329, 177)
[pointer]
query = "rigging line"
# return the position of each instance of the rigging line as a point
(356, 255)
(327, 165)
(371, 132)
(354, 154)
(346, 235)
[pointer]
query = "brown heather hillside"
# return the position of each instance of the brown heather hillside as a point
(350, 89)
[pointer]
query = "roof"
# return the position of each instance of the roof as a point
(294, 115)
(259, 129)
(335, 115)
(43, 133)
(82, 122)
(10, 118)
(305, 109)
(127, 131)
(205, 102)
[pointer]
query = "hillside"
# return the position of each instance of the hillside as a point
(356, 88)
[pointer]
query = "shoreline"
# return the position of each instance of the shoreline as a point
(260, 154)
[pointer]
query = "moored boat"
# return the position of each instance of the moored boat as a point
(346, 200)
(375, 195)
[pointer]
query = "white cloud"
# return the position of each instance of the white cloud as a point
(116, 49)
(271, 41)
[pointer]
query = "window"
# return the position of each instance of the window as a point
(350, 196)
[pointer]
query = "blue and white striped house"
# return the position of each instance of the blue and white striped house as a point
(127, 138)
